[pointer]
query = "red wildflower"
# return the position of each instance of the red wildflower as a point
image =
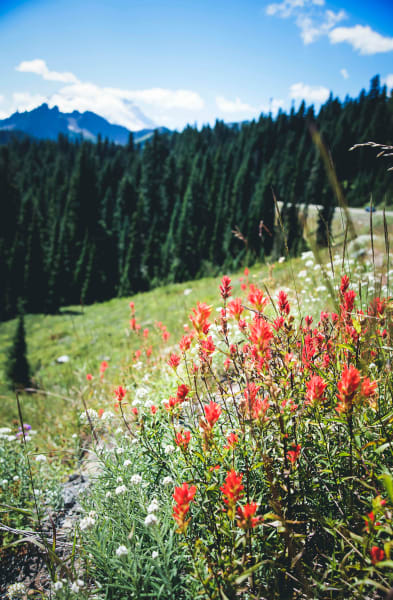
(283, 304)
(165, 335)
(149, 351)
(182, 392)
(200, 317)
(347, 386)
(256, 298)
(368, 387)
(134, 411)
(232, 440)
(315, 389)
(172, 402)
(235, 308)
(225, 287)
(185, 343)
(308, 320)
(183, 496)
(153, 409)
(260, 334)
(344, 284)
(103, 367)
(183, 440)
(293, 454)
(207, 347)
(100, 412)
(89, 376)
(278, 323)
(377, 554)
(145, 333)
(212, 413)
(133, 324)
(119, 393)
(232, 489)
(245, 516)
(132, 307)
(174, 361)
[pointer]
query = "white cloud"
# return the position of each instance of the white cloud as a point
(362, 38)
(311, 31)
(26, 101)
(388, 81)
(288, 7)
(344, 73)
(308, 93)
(39, 67)
(115, 104)
(236, 106)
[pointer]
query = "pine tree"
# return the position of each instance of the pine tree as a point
(18, 370)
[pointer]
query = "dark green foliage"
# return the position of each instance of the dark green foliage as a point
(18, 371)
(84, 222)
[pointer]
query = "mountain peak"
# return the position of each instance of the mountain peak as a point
(48, 123)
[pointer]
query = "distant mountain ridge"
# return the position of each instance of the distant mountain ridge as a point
(47, 123)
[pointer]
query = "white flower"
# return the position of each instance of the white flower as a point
(40, 458)
(74, 436)
(108, 495)
(92, 514)
(121, 551)
(169, 449)
(281, 259)
(58, 585)
(127, 463)
(4, 430)
(107, 415)
(121, 489)
(15, 478)
(119, 479)
(187, 291)
(153, 506)
(80, 582)
(167, 480)
(136, 479)
(74, 587)
(67, 524)
(16, 590)
(119, 430)
(119, 450)
(86, 523)
(4, 482)
(90, 415)
(154, 554)
(151, 520)
(309, 263)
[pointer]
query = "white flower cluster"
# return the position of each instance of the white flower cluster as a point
(136, 479)
(121, 551)
(89, 521)
(167, 481)
(121, 489)
(151, 520)
(89, 414)
(16, 590)
(153, 506)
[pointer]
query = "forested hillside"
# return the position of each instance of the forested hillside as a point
(86, 222)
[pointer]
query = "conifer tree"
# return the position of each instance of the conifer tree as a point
(18, 370)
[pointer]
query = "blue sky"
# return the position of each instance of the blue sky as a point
(189, 61)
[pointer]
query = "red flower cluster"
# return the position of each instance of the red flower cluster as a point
(315, 389)
(347, 387)
(183, 496)
(245, 516)
(181, 395)
(256, 298)
(183, 440)
(235, 308)
(200, 317)
(212, 413)
(174, 361)
(377, 554)
(232, 440)
(232, 490)
(207, 348)
(293, 454)
(225, 287)
(283, 304)
(120, 393)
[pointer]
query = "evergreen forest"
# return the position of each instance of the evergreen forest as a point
(84, 222)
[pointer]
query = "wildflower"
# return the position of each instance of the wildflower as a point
(89, 376)
(183, 496)
(74, 587)
(257, 299)
(200, 317)
(40, 458)
(103, 367)
(174, 361)
(344, 284)
(165, 335)
(183, 440)
(169, 449)
(225, 287)
(121, 551)
(153, 506)
(172, 402)
(127, 463)
(86, 523)
(283, 304)
(293, 454)
(145, 333)
(235, 308)
(315, 389)
(150, 520)
(207, 347)
(16, 590)
(57, 586)
(134, 411)
(108, 495)
(245, 516)
(167, 480)
(377, 554)
(347, 386)
(119, 393)
(212, 413)
(185, 343)
(154, 554)
(232, 489)
(121, 489)
(182, 392)
(132, 307)
(136, 479)
(260, 335)
(232, 440)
